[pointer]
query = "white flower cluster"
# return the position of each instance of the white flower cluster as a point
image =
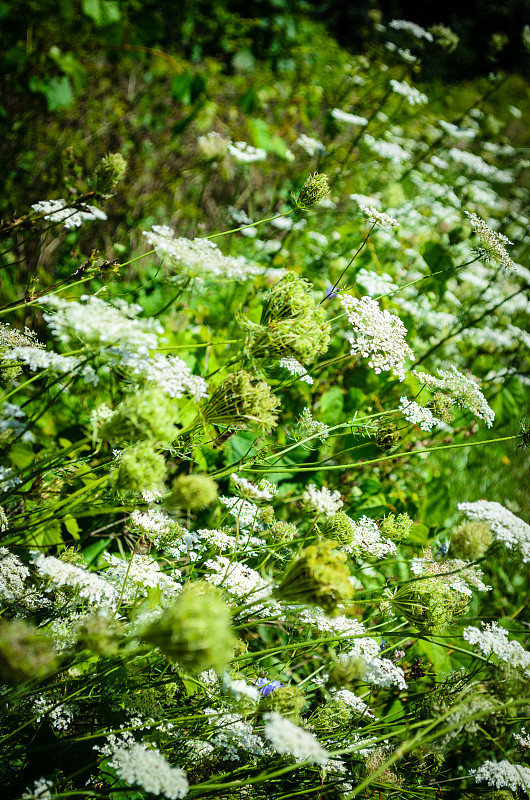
(493, 241)
(367, 540)
(233, 735)
(35, 358)
(505, 526)
(240, 688)
(88, 585)
(295, 368)
(324, 501)
(213, 144)
(60, 211)
(135, 576)
(146, 767)
(8, 479)
(351, 699)
(411, 27)
(479, 166)
(502, 775)
(493, 640)
(380, 335)
(288, 739)
(418, 415)
(463, 389)
(313, 147)
(411, 95)
(60, 715)
(456, 132)
(245, 153)
(4, 522)
(242, 510)
(383, 672)
(156, 525)
(193, 544)
(42, 790)
(371, 213)
(169, 373)
(312, 427)
(13, 574)
(264, 491)
(351, 119)
(391, 150)
(95, 322)
(459, 575)
(523, 739)
(200, 257)
(238, 579)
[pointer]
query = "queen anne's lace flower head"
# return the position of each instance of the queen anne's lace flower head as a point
(60, 211)
(492, 640)
(463, 389)
(505, 526)
(411, 95)
(88, 585)
(502, 775)
(379, 335)
(288, 739)
(351, 119)
(493, 241)
(295, 368)
(322, 500)
(417, 415)
(374, 215)
(245, 153)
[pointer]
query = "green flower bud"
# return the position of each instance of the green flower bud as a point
(195, 630)
(421, 762)
(319, 575)
(266, 514)
(331, 717)
(445, 37)
(25, 653)
(292, 324)
(286, 700)
(9, 339)
(101, 633)
(338, 527)
(470, 540)
(109, 172)
(281, 532)
(386, 435)
(441, 406)
(346, 671)
(192, 491)
(429, 604)
(148, 414)
(239, 401)
(396, 528)
(140, 468)
(312, 192)
(375, 760)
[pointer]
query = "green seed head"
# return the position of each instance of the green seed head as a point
(286, 700)
(241, 401)
(109, 172)
(318, 576)
(25, 653)
(396, 528)
(470, 540)
(346, 671)
(429, 604)
(192, 491)
(312, 192)
(140, 468)
(148, 414)
(195, 631)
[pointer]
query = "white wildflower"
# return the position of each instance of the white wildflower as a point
(418, 415)
(4, 522)
(523, 739)
(213, 144)
(312, 427)
(288, 739)
(8, 479)
(502, 775)
(13, 574)
(282, 223)
(353, 701)
(60, 715)
(295, 368)
(383, 672)
(59, 211)
(88, 585)
(244, 512)
(245, 153)
(200, 257)
(374, 215)
(238, 579)
(323, 500)
(456, 132)
(313, 147)
(411, 27)
(169, 373)
(232, 735)
(367, 541)
(380, 335)
(351, 119)
(265, 491)
(135, 576)
(147, 767)
(391, 150)
(459, 575)
(156, 525)
(493, 241)
(463, 389)
(477, 165)
(240, 688)
(42, 790)
(411, 95)
(492, 640)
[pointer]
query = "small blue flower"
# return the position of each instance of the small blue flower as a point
(267, 687)
(443, 550)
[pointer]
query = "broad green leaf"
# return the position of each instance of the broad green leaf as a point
(102, 12)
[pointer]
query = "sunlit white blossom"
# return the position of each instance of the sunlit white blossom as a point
(503, 775)
(351, 119)
(295, 368)
(323, 500)
(411, 95)
(59, 211)
(245, 153)
(288, 739)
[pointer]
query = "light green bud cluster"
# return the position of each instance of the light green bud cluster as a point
(148, 414)
(312, 192)
(195, 630)
(286, 700)
(292, 324)
(470, 540)
(396, 528)
(386, 435)
(241, 400)
(140, 468)
(428, 604)
(375, 761)
(331, 717)
(101, 633)
(26, 654)
(192, 491)
(281, 532)
(445, 37)
(345, 672)
(338, 527)
(421, 762)
(109, 173)
(319, 576)
(441, 406)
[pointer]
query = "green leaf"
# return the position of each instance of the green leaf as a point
(102, 12)
(69, 64)
(70, 523)
(437, 258)
(57, 91)
(261, 136)
(91, 553)
(331, 405)
(187, 88)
